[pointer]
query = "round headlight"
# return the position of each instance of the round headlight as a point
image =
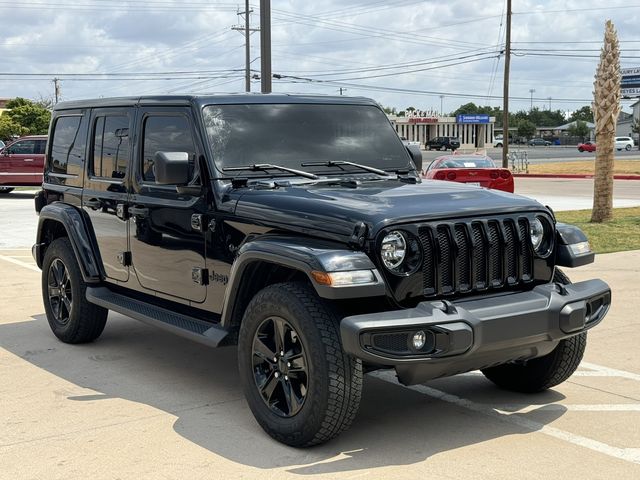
(536, 230)
(393, 249)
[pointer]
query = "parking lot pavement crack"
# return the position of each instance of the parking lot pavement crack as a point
(631, 455)
(591, 387)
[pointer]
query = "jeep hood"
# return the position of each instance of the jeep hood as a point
(335, 210)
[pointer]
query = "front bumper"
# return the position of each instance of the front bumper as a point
(476, 333)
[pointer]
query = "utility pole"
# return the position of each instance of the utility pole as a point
(505, 92)
(56, 90)
(342, 89)
(549, 98)
(247, 44)
(441, 100)
(531, 91)
(265, 45)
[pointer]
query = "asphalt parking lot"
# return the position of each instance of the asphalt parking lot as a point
(142, 403)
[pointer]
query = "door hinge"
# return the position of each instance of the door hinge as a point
(124, 258)
(198, 222)
(200, 275)
(121, 211)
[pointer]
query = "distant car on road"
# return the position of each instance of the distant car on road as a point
(498, 142)
(538, 142)
(587, 147)
(22, 163)
(624, 142)
(476, 170)
(443, 143)
(410, 143)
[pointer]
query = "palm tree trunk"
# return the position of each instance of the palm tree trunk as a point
(606, 108)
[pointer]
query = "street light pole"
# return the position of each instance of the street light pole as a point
(441, 110)
(531, 91)
(549, 98)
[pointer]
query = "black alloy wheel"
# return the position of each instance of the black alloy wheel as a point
(59, 292)
(280, 367)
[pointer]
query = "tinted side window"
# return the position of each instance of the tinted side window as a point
(165, 134)
(111, 146)
(41, 146)
(68, 145)
(25, 147)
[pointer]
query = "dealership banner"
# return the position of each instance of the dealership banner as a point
(630, 86)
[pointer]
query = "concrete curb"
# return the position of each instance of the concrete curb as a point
(572, 175)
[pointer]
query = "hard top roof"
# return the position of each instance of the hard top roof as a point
(220, 99)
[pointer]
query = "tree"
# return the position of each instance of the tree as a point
(10, 129)
(584, 114)
(635, 128)
(606, 108)
(32, 118)
(526, 128)
(579, 129)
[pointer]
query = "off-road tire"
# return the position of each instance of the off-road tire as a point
(335, 378)
(544, 372)
(86, 321)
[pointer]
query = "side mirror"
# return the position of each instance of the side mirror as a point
(416, 156)
(171, 168)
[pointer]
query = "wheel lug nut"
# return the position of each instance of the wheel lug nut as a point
(288, 364)
(286, 378)
(281, 353)
(275, 359)
(277, 374)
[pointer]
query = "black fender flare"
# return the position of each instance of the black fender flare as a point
(568, 239)
(71, 218)
(304, 255)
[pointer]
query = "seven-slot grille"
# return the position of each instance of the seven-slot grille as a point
(461, 257)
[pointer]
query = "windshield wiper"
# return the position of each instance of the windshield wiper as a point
(339, 163)
(268, 166)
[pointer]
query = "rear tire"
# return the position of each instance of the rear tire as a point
(327, 393)
(581, 149)
(627, 148)
(544, 372)
(71, 317)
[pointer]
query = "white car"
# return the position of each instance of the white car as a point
(408, 143)
(624, 142)
(497, 141)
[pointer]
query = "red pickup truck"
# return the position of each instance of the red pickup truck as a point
(22, 163)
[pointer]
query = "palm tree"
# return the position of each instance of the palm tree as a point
(606, 107)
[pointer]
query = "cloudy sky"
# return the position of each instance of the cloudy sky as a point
(400, 52)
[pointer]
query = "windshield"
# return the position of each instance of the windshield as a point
(466, 162)
(292, 134)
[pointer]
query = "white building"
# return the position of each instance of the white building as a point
(473, 130)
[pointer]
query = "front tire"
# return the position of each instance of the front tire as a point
(71, 317)
(544, 372)
(627, 148)
(302, 388)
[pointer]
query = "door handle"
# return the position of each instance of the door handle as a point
(93, 203)
(139, 211)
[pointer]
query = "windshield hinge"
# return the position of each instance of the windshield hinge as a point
(359, 235)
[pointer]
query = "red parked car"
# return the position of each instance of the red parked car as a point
(471, 169)
(22, 163)
(587, 147)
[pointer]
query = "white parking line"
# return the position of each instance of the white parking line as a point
(627, 454)
(607, 407)
(610, 372)
(30, 266)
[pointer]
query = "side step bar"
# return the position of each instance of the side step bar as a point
(183, 325)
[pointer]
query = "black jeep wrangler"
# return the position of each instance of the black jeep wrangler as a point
(298, 229)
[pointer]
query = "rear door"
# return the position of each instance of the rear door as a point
(167, 249)
(37, 166)
(106, 187)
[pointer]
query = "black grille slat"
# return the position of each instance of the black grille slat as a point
(445, 260)
(526, 256)
(511, 251)
(463, 279)
(495, 255)
(473, 255)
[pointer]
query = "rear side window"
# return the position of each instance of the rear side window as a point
(68, 145)
(24, 147)
(166, 133)
(111, 146)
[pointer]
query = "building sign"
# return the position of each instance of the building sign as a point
(423, 119)
(477, 118)
(630, 86)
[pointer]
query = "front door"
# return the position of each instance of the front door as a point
(105, 193)
(168, 252)
(17, 165)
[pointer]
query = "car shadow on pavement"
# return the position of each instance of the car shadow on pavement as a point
(200, 387)
(17, 196)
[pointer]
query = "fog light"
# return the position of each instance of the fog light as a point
(419, 339)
